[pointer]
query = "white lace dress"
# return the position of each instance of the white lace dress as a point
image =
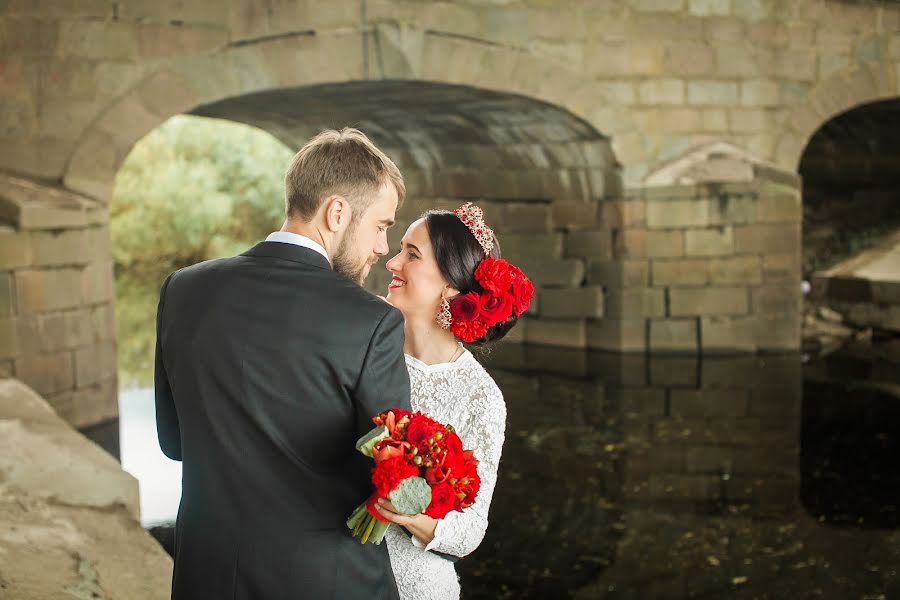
(461, 394)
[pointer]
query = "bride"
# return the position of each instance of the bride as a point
(436, 264)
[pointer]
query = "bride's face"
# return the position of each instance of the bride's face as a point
(418, 283)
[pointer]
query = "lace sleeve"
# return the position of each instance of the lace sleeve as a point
(459, 533)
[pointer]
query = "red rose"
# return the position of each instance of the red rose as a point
(495, 309)
(421, 429)
(468, 331)
(522, 292)
(388, 474)
(454, 444)
(494, 275)
(465, 307)
(443, 500)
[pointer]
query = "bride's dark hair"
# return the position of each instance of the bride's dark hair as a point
(458, 253)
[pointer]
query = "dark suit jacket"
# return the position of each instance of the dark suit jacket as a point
(269, 366)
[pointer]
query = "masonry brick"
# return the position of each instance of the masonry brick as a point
(690, 59)
(736, 270)
(9, 339)
(619, 273)
(567, 333)
(15, 249)
(680, 272)
(554, 273)
(572, 303)
(48, 290)
(662, 91)
(97, 282)
(588, 244)
(665, 214)
(93, 404)
(68, 247)
(7, 296)
(95, 364)
(630, 303)
(728, 334)
(46, 373)
(776, 299)
(778, 332)
(709, 301)
(760, 93)
(709, 242)
(574, 215)
(673, 335)
(665, 243)
(767, 239)
(712, 93)
(617, 335)
(780, 209)
(517, 246)
(624, 213)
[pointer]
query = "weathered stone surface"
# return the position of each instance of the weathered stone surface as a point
(559, 273)
(674, 335)
(680, 272)
(728, 334)
(709, 301)
(617, 335)
(718, 241)
(624, 273)
(567, 333)
(588, 244)
(630, 303)
(584, 302)
(68, 513)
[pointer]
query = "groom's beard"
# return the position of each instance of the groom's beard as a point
(344, 261)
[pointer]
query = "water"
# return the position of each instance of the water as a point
(667, 477)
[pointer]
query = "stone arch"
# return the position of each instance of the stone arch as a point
(861, 84)
(307, 60)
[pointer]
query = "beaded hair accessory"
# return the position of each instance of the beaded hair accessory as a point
(473, 217)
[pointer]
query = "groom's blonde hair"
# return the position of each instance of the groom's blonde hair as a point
(344, 163)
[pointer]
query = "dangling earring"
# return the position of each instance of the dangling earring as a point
(444, 318)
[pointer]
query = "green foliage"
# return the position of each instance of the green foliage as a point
(195, 189)
(192, 190)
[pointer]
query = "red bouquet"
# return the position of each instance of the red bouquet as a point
(420, 466)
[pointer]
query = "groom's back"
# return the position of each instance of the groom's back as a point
(275, 364)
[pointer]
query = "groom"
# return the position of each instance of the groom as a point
(269, 366)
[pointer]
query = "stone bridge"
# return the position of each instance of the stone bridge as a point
(640, 157)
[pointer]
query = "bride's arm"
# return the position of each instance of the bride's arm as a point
(460, 533)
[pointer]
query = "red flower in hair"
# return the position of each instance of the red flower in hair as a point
(522, 292)
(494, 275)
(468, 331)
(465, 308)
(496, 308)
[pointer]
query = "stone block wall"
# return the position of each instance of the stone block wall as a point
(57, 327)
(702, 268)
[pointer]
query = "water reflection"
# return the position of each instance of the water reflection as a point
(667, 477)
(672, 477)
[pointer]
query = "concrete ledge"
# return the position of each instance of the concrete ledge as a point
(69, 514)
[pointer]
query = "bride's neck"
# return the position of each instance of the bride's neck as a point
(427, 342)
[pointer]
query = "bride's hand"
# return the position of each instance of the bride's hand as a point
(421, 525)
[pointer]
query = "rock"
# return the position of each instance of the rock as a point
(830, 315)
(69, 514)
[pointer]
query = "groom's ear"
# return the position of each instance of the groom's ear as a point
(337, 213)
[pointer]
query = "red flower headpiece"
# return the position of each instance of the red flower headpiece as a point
(507, 292)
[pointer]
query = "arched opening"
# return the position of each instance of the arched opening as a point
(538, 171)
(851, 183)
(851, 239)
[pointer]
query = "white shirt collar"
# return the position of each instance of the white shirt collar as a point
(286, 237)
